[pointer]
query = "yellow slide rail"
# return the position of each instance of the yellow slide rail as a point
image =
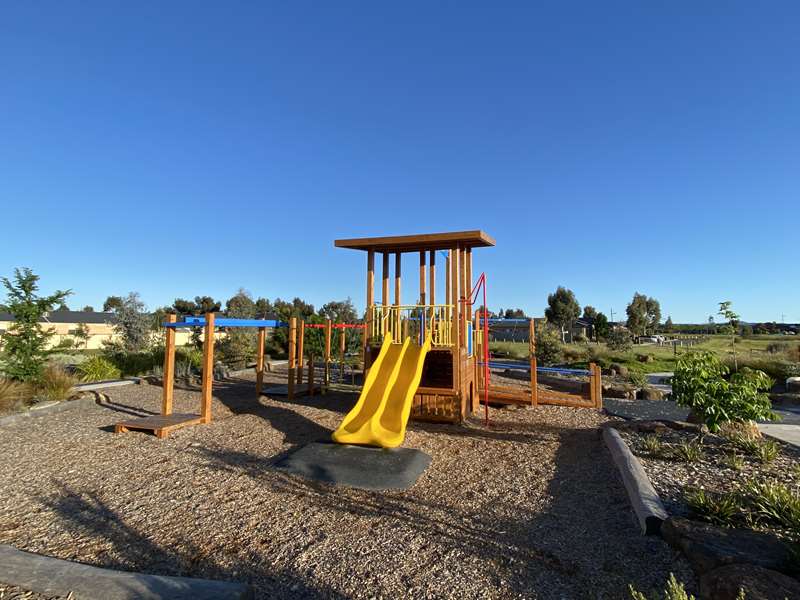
(403, 321)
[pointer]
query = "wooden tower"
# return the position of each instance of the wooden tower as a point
(447, 392)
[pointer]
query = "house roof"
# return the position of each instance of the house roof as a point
(415, 243)
(70, 316)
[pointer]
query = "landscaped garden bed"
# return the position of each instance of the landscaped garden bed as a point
(736, 479)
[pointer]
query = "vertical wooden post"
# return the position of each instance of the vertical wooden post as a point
(169, 368)
(370, 308)
(292, 356)
(327, 373)
(311, 375)
(422, 277)
(342, 344)
(262, 338)
(432, 276)
(455, 324)
(208, 369)
(448, 293)
(534, 375)
(398, 276)
(598, 382)
(301, 335)
(592, 385)
(385, 280)
(469, 282)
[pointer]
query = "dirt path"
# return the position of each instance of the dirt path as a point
(530, 507)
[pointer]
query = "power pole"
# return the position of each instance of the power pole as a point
(612, 315)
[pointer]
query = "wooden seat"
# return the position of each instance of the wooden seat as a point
(160, 425)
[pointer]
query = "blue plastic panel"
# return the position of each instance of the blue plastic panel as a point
(223, 322)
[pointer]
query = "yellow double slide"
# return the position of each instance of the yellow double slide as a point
(380, 416)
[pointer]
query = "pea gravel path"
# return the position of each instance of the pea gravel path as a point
(530, 507)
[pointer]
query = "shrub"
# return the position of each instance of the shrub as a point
(773, 501)
(720, 509)
(549, 348)
(98, 368)
(734, 461)
(776, 367)
(674, 591)
(55, 383)
(13, 394)
(689, 451)
(638, 379)
(700, 383)
(572, 354)
(190, 355)
(767, 451)
(652, 445)
(619, 340)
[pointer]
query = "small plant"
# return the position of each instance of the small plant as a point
(674, 591)
(12, 394)
(767, 451)
(98, 368)
(720, 509)
(638, 379)
(748, 445)
(55, 383)
(652, 445)
(689, 451)
(734, 461)
(183, 369)
(774, 501)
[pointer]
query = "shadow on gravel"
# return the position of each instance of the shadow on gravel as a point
(85, 514)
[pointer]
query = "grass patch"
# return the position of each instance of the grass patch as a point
(675, 590)
(775, 502)
(13, 395)
(734, 461)
(652, 445)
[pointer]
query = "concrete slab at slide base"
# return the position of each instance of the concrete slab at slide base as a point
(53, 576)
(357, 466)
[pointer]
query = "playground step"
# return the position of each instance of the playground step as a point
(53, 576)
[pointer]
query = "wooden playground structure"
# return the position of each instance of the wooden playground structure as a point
(456, 370)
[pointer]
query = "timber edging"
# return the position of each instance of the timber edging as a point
(45, 410)
(48, 575)
(644, 499)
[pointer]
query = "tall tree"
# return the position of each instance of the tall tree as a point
(589, 312)
(241, 305)
(668, 325)
(601, 326)
(514, 313)
(562, 309)
(81, 334)
(112, 303)
(133, 324)
(339, 311)
(263, 308)
(88, 308)
(25, 349)
(643, 313)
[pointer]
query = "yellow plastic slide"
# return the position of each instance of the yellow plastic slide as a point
(380, 416)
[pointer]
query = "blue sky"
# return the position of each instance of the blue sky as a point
(183, 149)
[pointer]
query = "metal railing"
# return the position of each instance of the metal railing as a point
(413, 320)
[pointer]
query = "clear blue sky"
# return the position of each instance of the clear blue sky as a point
(183, 149)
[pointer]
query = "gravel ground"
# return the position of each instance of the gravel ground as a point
(12, 592)
(673, 478)
(529, 507)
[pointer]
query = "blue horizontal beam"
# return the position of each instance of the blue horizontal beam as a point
(501, 321)
(524, 367)
(223, 322)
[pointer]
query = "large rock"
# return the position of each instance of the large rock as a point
(623, 391)
(708, 547)
(758, 583)
(649, 393)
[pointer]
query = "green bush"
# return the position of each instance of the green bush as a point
(98, 368)
(549, 349)
(777, 368)
(638, 379)
(700, 384)
(619, 340)
(55, 383)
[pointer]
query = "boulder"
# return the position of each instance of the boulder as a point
(793, 385)
(707, 547)
(618, 369)
(648, 393)
(623, 391)
(758, 583)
